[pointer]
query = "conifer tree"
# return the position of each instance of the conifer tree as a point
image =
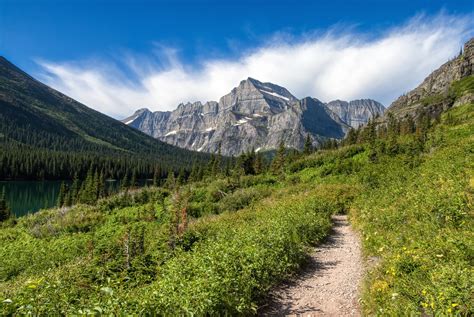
(95, 187)
(210, 165)
(371, 139)
(156, 176)
(181, 177)
(200, 172)
(371, 132)
(86, 193)
(102, 189)
(308, 145)
(216, 164)
(228, 167)
(192, 174)
(259, 165)
(170, 180)
(279, 160)
(5, 212)
(62, 195)
(249, 165)
(124, 183)
(133, 180)
(351, 137)
(422, 126)
(74, 191)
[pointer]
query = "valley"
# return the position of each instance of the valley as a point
(260, 203)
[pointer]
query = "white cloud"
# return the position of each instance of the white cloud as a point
(336, 65)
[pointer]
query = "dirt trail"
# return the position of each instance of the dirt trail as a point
(329, 284)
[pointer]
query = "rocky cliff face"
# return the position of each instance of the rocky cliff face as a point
(254, 115)
(356, 112)
(434, 90)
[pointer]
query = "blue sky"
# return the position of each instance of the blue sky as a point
(121, 48)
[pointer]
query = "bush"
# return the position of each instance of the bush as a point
(243, 197)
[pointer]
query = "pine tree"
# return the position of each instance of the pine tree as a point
(62, 195)
(249, 163)
(371, 139)
(194, 171)
(200, 172)
(102, 189)
(156, 176)
(5, 212)
(216, 164)
(124, 183)
(279, 160)
(351, 137)
(228, 167)
(133, 181)
(371, 132)
(259, 165)
(74, 191)
(181, 177)
(308, 145)
(393, 125)
(170, 180)
(422, 126)
(86, 194)
(210, 165)
(95, 187)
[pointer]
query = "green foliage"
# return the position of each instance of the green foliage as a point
(107, 255)
(463, 86)
(215, 242)
(422, 227)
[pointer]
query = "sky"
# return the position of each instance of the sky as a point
(119, 56)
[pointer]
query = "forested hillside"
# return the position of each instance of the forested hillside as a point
(47, 135)
(217, 243)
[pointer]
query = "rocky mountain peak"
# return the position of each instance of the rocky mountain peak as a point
(142, 110)
(270, 90)
(254, 114)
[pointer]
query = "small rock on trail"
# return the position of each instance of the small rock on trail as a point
(329, 284)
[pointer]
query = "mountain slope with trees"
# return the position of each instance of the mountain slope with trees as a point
(45, 134)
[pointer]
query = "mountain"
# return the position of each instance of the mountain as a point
(440, 90)
(35, 117)
(356, 112)
(254, 115)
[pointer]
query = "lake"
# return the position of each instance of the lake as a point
(25, 197)
(30, 196)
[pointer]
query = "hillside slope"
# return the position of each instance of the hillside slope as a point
(34, 117)
(436, 93)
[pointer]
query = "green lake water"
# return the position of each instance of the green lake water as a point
(25, 197)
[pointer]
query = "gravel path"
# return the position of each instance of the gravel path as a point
(329, 284)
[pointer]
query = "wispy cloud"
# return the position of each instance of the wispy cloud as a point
(336, 65)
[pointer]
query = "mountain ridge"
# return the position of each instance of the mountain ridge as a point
(435, 93)
(253, 115)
